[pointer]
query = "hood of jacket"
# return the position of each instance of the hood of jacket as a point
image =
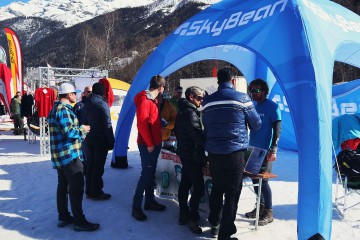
(144, 94)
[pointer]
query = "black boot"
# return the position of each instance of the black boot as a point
(138, 214)
(194, 227)
(85, 226)
(155, 206)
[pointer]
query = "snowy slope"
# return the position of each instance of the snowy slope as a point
(72, 12)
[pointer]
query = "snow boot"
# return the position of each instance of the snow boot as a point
(266, 217)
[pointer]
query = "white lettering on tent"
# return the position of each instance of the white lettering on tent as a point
(217, 30)
(337, 108)
(246, 18)
(338, 20)
(194, 28)
(281, 101)
(237, 19)
(182, 29)
(205, 27)
(266, 10)
(228, 48)
(233, 20)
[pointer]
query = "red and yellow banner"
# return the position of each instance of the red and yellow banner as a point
(16, 61)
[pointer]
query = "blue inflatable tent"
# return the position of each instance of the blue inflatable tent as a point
(293, 42)
(345, 100)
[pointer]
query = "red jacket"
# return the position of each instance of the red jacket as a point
(148, 119)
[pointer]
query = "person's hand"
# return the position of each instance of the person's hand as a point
(151, 149)
(86, 127)
(271, 156)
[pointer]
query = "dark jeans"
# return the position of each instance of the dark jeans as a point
(191, 176)
(71, 180)
(96, 151)
(85, 149)
(266, 194)
(148, 168)
(18, 124)
(226, 171)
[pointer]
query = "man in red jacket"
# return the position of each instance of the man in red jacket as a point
(149, 143)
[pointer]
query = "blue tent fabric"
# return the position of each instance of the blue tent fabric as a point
(345, 100)
(294, 42)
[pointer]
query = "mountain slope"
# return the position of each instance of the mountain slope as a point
(133, 29)
(70, 12)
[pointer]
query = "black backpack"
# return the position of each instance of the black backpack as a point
(349, 163)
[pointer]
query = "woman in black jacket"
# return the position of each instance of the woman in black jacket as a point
(190, 149)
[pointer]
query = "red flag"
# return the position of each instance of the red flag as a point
(16, 61)
(5, 80)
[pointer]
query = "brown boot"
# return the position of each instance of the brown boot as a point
(266, 217)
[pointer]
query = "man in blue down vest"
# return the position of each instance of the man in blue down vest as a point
(226, 116)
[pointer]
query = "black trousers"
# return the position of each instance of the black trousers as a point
(71, 180)
(226, 171)
(18, 124)
(191, 176)
(96, 151)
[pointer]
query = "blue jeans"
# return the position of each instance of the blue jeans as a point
(148, 168)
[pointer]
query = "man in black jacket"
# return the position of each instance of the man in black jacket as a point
(190, 148)
(98, 142)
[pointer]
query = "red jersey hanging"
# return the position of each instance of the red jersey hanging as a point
(44, 100)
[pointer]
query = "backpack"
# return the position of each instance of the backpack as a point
(349, 163)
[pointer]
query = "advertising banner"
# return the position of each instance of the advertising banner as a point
(16, 61)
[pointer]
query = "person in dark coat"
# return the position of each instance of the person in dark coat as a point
(27, 102)
(15, 106)
(79, 106)
(190, 149)
(99, 141)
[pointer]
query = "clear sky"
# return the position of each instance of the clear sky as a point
(7, 2)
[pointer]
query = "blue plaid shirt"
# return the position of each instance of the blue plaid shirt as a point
(65, 135)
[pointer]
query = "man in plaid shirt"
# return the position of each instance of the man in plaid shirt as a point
(66, 158)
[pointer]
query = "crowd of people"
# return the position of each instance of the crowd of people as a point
(205, 138)
(81, 136)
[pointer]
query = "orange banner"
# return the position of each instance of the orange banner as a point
(16, 61)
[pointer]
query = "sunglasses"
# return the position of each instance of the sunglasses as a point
(256, 90)
(88, 91)
(199, 98)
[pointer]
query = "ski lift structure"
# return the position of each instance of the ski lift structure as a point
(52, 77)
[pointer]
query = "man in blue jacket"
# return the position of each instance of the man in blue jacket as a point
(226, 116)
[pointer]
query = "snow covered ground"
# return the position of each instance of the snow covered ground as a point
(28, 206)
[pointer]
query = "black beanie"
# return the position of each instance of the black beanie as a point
(98, 89)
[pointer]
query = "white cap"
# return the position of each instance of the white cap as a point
(66, 88)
